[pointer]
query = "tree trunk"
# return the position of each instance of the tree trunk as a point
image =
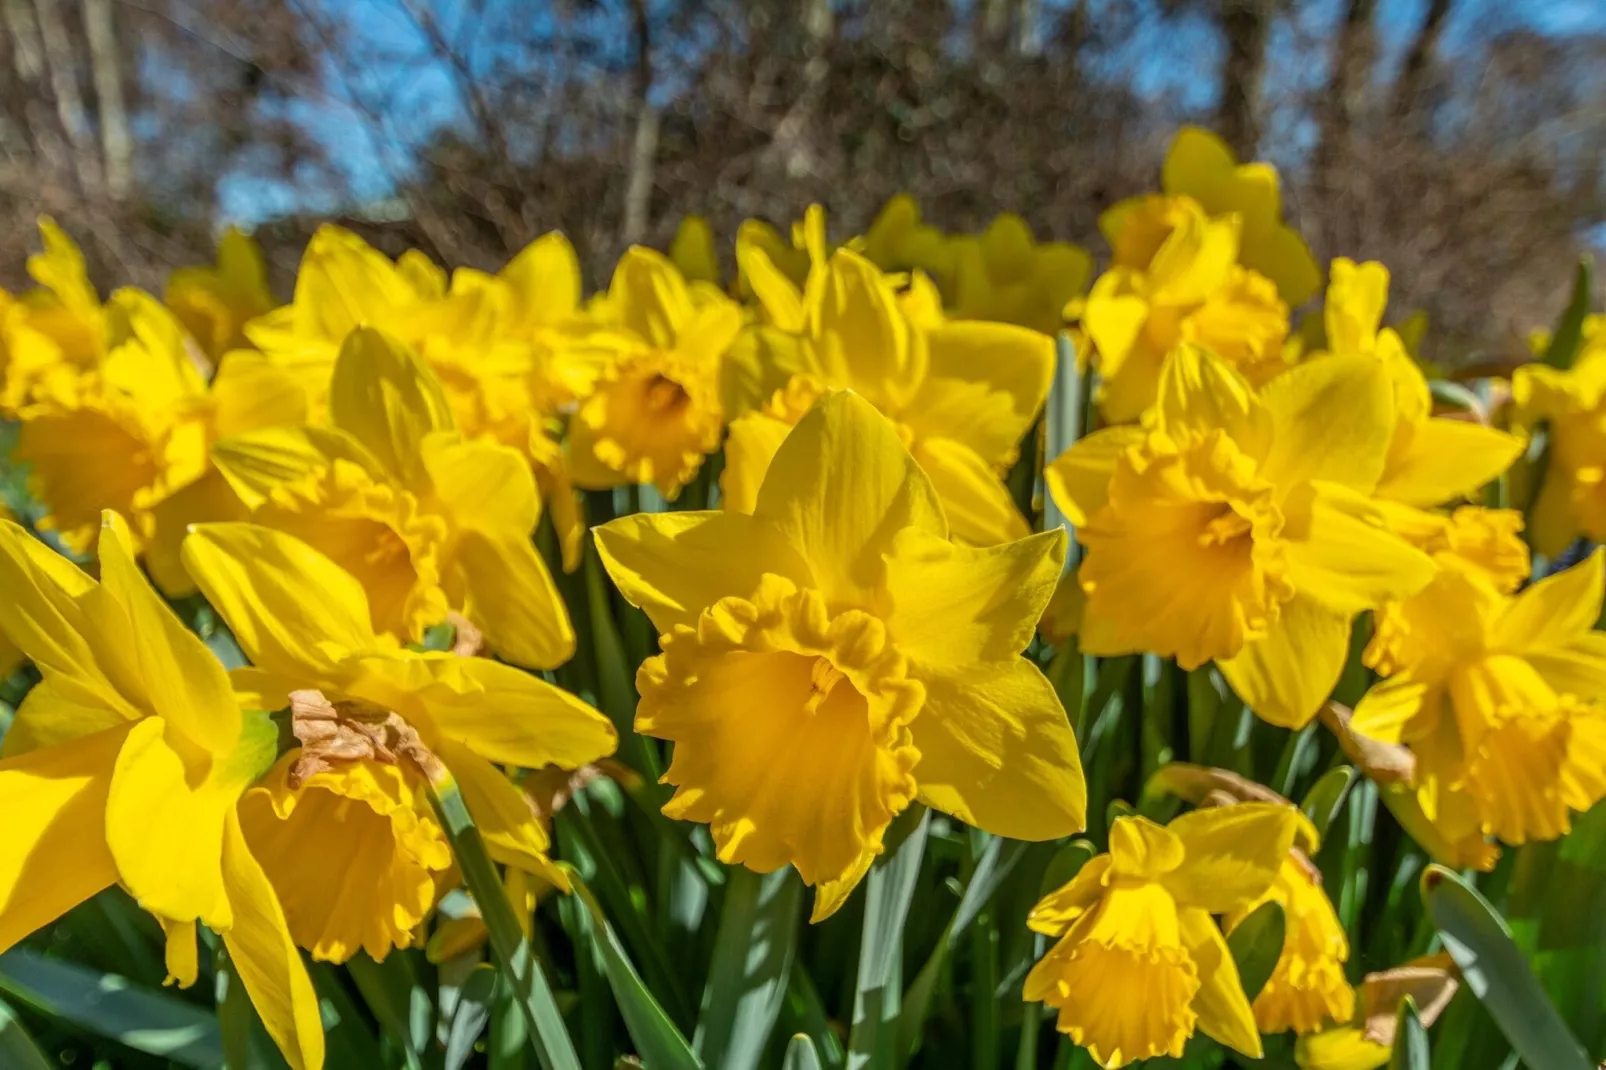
(1245, 24)
(117, 147)
(59, 61)
(1419, 59)
(1354, 53)
(644, 146)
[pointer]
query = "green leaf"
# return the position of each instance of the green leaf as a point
(1411, 1051)
(800, 1055)
(615, 675)
(113, 1007)
(17, 1049)
(534, 996)
(1496, 972)
(657, 1040)
(1569, 332)
(1256, 944)
(1326, 797)
(889, 889)
(469, 1018)
(388, 991)
(752, 958)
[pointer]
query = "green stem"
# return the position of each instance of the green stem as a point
(531, 992)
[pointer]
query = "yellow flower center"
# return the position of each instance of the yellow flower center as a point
(791, 729)
(655, 420)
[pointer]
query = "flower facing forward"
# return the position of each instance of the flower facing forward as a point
(1572, 403)
(1307, 988)
(962, 393)
(1499, 697)
(833, 657)
(428, 522)
(658, 350)
(1237, 526)
(126, 765)
(1140, 965)
(374, 723)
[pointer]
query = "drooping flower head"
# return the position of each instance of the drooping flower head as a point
(126, 764)
(373, 723)
(962, 394)
(833, 657)
(1499, 697)
(429, 522)
(1307, 988)
(1236, 526)
(1139, 965)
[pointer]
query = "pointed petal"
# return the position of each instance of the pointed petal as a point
(997, 751)
(1057, 910)
(257, 462)
(265, 957)
(675, 565)
(1349, 560)
(979, 507)
(386, 398)
(1557, 610)
(1231, 853)
(1224, 1011)
(830, 895)
(481, 484)
(1140, 848)
(293, 611)
(502, 813)
(1448, 459)
(1080, 477)
(53, 855)
(545, 278)
(839, 488)
(511, 597)
(1285, 676)
(1332, 418)
(1389, 708)
(985, 384)
(1200, 392)
(752, 443)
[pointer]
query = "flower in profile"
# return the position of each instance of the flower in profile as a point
(659, 346)
(1571, 499)
(56, 330)
(1176, 279)
(1238, 526)
(428, 521)
(1307, 989)
(1139, 965)
(833, 657)
(962, 394)
(375, 724)
(1499, 697)
(1201, 166)
(214, 303)
(1004, 274)
(898, 241)
(125, 764)
(692, 251)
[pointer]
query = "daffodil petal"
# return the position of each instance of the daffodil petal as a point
(1389, 708)
(985, 384)
(979, 507)
(180, 952)
(997, 752)
(1231, 853)
(1224, 1011)
(256, 463)
(675, 565)
(1200, 392)
(511, 596)
(504, 816)
(262, 952)
(1349, 560)
(482, 484)
(1079, 478)
(1057, 910)
(1557, 610)
(251, 392)
(54, 855)
(749, 447)
(384, 396)
(1332, 419)
(1285, 675)
(292, 609)
(1448, 459)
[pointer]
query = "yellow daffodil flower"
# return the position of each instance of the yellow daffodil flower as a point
(372, 720)
(1238, 526)
(1571, 498)
(692, 250)
(833, 657)
(11, 658)
(214, 303)
(1487, 542)
(1190, 289)
(1139, 965)
(1006, 275)
(962, 393)
(125, 765)
(1432, 459)
(1368, 1042)
(897, 241)
(1307, 988)
(55, 331)
(132, 435)
(656, 410)
(1200, 165)
(1500, 699)
(428, 521)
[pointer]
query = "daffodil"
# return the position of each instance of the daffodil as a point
(1571, 498)
(1500, 699)
(1238, 526)
(428, 521)
(1005, 274)
(692, 251)
(214, 303)
(1139, 965)
(1367, 1042)
(375, 724)
(793, 258)
(656, 410)
(55, 331)
(962, 393)
(126, 764)
(132, 434)
(1307, 989)
(833, 657)
(898, 241)
(1431, 459)
(1200, 165)
(1189, 289)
